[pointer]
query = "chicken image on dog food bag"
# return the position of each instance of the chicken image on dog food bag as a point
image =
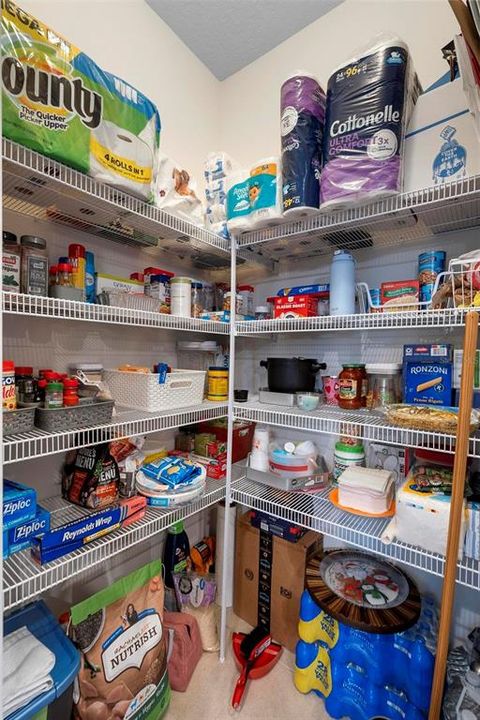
(119, 632)
(58, 101)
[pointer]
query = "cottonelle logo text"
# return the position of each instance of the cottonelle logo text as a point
(357, 122)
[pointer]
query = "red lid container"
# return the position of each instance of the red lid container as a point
(137, 276)
(76, 251)
(23, 370)
(8, 366)
(64, 267)
(70, 383)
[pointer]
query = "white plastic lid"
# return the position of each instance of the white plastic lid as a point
(383, 368)
(86, 367)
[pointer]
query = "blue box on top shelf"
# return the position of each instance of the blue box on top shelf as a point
(428, 374)
(19, 504)
(20, 537)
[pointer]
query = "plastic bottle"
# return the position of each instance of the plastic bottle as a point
(347, 690)
(176, 553)
(76, 258)
(404, 660)
(90, 294)
(342, 284)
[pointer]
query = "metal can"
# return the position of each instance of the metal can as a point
(217, 384)
(430, 265)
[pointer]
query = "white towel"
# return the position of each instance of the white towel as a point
(26, 668)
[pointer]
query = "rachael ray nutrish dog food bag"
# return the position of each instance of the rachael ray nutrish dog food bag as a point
(119, 631)
(58, 101)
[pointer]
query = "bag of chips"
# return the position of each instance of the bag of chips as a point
(119, 632)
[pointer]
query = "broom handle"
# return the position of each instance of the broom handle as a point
(456, 511)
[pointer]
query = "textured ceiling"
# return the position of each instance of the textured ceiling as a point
(227, 35)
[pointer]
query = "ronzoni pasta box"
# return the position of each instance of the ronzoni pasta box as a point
(427, 374)
(58, 101)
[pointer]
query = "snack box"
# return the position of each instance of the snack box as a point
(20, 537)
(321, 291)
(92, 525)
(112, 282)
(19, 504)
(46, 554)
(295, 306)
(399, 295)
(427, 374)
(276, 526)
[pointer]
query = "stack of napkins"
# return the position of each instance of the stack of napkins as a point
(366, 489)
(171, 481)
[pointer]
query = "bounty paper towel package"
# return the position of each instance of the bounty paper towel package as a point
(58, 101)
(441, 144)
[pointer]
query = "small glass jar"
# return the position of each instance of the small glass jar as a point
(34, 267)
(198, 304)
(70, 392)
(25, 384)
(64, 275)
(54, 395)
(208, 297)
(350, 387)
(229, 300)
(11, 260)
(262, 312)
(246, 299)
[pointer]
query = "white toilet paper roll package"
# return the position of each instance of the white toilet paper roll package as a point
(58, 101)
(265, 193)
(238, 202)
(369, 102)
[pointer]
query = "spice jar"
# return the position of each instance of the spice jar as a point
(197, 299)
(25, 385)
(52, 275)
(34, 266)
(9, 397)
(77, 259)
(350, 387)
(64, 275)
(54, 395)
(40, 394)
(70, 392)
(11, 257)
(228, 300)
(181, 296)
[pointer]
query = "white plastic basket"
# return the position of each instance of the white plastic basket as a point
(142, 391)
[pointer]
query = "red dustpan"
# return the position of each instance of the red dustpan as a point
(260, 666)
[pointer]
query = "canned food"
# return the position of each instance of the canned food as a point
(430, 265)
(217, 384)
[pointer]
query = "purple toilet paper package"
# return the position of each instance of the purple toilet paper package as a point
(302, 107)
(369, 103)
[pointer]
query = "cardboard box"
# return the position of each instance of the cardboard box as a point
(457, 369)
(427, 374)
(243, 431)
(295, 306)
(287, 579)
(19, 504)
(277, 526)
(20, 537)
(395, 296)
(441, 144)
(388, 457)
(112, 282)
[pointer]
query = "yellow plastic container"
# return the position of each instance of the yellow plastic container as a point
(217, 384)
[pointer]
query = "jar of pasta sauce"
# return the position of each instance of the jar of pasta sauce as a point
(350, 386)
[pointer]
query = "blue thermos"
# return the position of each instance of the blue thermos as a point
(342, 284)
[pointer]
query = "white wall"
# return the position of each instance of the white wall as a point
(250, 99)
(127, 38)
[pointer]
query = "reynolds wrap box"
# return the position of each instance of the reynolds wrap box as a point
(427, 374)
(20, 537)
(58, 101)
(19, 504)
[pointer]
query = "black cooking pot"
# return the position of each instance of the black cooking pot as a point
(290, 375)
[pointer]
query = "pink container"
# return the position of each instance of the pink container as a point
(330, 389)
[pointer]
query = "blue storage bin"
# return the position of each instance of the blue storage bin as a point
(56, 704)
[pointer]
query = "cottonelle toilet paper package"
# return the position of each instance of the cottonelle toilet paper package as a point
(58, 101)
(369, 103)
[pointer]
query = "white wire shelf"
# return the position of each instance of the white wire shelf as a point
(17, 304)
(316, 512)
(364, 424)
(38, 443)
(24, 579)
(361, 321)
(44, 189)
(407, 217)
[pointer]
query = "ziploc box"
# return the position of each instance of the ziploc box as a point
(20, 537)
(19, 504)
(427, 374)
(58, 101)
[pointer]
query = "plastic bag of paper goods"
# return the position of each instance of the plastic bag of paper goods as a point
(57, 101)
